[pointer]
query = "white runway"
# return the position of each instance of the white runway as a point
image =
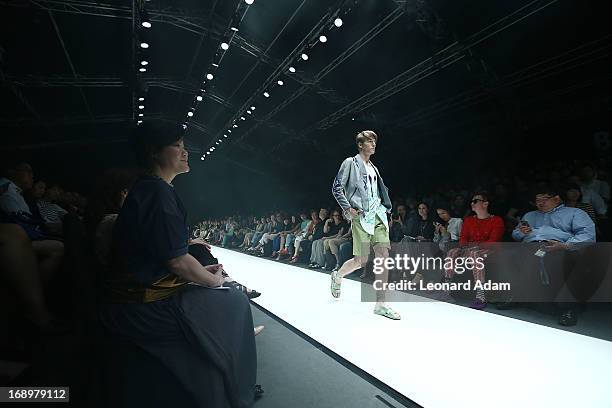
(439, 355)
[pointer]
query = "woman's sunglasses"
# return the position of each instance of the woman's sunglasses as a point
(476, 200)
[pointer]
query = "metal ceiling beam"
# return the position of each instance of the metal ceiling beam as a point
(67, 55)
(440, 60)
(367, 37)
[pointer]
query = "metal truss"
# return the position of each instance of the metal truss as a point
(440, 60)
(367, 37)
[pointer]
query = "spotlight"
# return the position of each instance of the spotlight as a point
(144, 45)
(199, 98)
(224, 45)
(202, 158)
(252, 108)
(234, 126)
(184, 126)
(229, 130)
(242, 118)
(267, 95)
(190, 113)
(291, 69)
(305, 56)
(216, 143)
(281, 83)
(143, 63)
(139, 122)
(249, 112)
(140, 106)
(209, 76)
(141, 99)
(220, 140)
(249, 2)
(143, 70)
(323, 39)
(215, 65)
(338, 22)
(224, 135)
(140, 115)
(146, 24)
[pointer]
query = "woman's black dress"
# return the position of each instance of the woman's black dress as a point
(167, 319)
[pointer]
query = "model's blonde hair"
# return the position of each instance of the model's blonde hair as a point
(364, 136)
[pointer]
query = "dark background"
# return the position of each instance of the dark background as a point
(535, 91)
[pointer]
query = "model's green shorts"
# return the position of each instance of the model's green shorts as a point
(362, 240)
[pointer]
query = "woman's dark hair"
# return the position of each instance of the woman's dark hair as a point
(484, 194)
(106, 196)
(150, 138)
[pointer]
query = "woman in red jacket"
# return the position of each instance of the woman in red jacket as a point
(477, 229)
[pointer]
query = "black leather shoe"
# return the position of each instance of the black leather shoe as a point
(568, 318)
(258, 392)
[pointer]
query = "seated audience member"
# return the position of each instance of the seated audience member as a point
(477, 231)
(248, 235)
(263, 227)
(278, 241)
(50, 211)
(448, 230)
(272, 228)
(160, 296)
(589, 181)
(559, 234)
(459, 208)
(591, 197)
(421, 228)
(20, 270)
(332, 248)
(288, 237)
(333, 227)
(317, 234)
(573, 198)
(399, 224)
(15, 179)
(304, 234)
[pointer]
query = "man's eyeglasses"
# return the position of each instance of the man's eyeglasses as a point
(336, 215)
(476, 200)
(542, 199)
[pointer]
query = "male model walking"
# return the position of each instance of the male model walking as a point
(364, 198)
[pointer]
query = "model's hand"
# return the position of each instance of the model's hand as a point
(353, 212)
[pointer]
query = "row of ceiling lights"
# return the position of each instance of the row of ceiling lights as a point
(143, 45)
(291, 70)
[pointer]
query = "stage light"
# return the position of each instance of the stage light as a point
(140, 106)
(234, 126)
(291, 69)
(267, 95)
(144, 45)
(229, 130)
(249, 112)
(202, 158)
(323, 39)
(242, 118)
(143, 63)
(190, 114)
(209, 76)
(140, 115)
(220, 140)
(215, 65)
(224, 45)
(139, 122)
(141, 99)
(249, 2)
(281, 83)
(338, 22)
(143, 70)
(252, 108)
(224, 135)
(146, 24)
(184, 126)
(305, 56)
(199, 98)
(216, 143)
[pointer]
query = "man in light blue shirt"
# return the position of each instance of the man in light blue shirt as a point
(554, 235)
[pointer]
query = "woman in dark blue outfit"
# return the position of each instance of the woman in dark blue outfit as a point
(162, 299)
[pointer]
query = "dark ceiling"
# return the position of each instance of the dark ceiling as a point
(431, 76)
